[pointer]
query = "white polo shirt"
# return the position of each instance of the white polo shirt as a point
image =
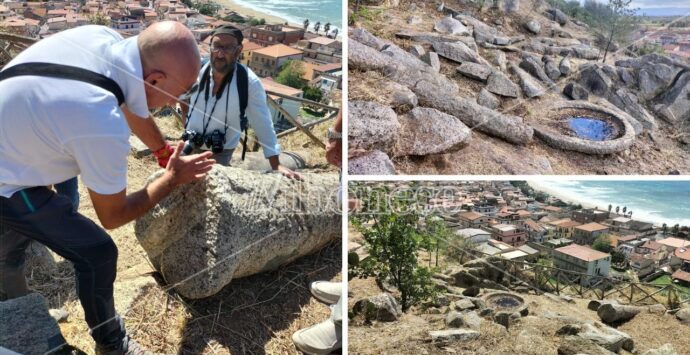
(52, 130)
(258, 115)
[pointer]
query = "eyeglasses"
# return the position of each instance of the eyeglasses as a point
(226, 50)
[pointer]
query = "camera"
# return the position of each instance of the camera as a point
(192, 139)
(215, 141)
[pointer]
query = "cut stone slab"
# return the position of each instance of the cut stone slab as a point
(530, 87)
(464, 305)
(500, 60)
(382, 307)
(534, 66)
(475, 71)
(417, 50)
(372, 126)
(488, 100)
(533, 26)
(139, 149)
(684, 315)
(565, 67)
(427, 131)
(451, 26)
(432, 59)
(674, 105)
(237, 223)
(551, 68)
(613, 313)
(365, 37)
(499, 83)
(458, 52)
(375, 162)
(454, 320)
(575, 92)
(453, 335)
(573, 345)
(27, 327)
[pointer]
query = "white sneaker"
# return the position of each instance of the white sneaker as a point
(322, 338)
(327, 292)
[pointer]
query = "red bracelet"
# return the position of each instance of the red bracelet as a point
(163, 155)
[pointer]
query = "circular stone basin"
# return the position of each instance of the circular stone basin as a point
(504, 302)
(592, 128)
(586, 128)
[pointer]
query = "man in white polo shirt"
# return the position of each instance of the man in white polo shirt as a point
(53, 129)
(215, 105)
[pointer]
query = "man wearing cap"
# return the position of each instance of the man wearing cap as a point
(215, 105)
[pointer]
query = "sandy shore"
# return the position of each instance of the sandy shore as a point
(537, 185)
(248, 11)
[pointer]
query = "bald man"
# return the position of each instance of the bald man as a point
(53, 129)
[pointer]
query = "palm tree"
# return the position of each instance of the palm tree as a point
(306, 24)
(327, 27)
(610, 207)
(629, 214)
(618, 208)
(317, 26)
(664, 228)
(624, 209)
(335, 32)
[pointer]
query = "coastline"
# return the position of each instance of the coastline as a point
(537, 185)
(248, 11)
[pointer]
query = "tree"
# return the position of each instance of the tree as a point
(617, 24)
(675, 230)
(617, 257)
(602, 243)
(98, 19)
(664, 228)
(610, 206)
(306, 24)
(625, 208)
(335, 32)
(618, 208)
(207, 8)
(257, 22)
(393, 241)
(327, 27)
(312, 93)
(317, 26)
(439, 235)
(291, 74)
(629, 214)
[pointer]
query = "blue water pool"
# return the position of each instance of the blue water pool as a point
(592, 128)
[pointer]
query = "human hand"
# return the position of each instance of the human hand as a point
(334, 152)
(289, 173)
(188, 168)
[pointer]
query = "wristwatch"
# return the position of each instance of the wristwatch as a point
(333, 134)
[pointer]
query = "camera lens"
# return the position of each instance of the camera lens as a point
(187, 149)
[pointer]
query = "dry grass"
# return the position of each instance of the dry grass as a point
(255, 315)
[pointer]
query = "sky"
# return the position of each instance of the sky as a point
(655, 3)
(658, 7)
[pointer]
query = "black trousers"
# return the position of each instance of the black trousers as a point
(41, 215)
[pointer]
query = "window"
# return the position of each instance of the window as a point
(270, 38)
(253, 35)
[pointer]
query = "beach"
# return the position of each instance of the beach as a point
(655, 202)
(248, 11)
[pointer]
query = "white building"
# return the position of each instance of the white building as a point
(128, 25)
(476, 235)
(291, 106)
(582, 260)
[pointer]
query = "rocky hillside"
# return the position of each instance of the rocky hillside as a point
(457, 89)
(479, 311)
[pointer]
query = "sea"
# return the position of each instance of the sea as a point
(651, 201)
(296, 11)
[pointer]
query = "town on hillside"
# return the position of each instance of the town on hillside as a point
(512, 221)
(300, 62)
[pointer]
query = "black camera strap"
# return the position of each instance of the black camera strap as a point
(68, 72)
(243, 93)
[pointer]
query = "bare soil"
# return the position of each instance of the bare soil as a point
(657, 153)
